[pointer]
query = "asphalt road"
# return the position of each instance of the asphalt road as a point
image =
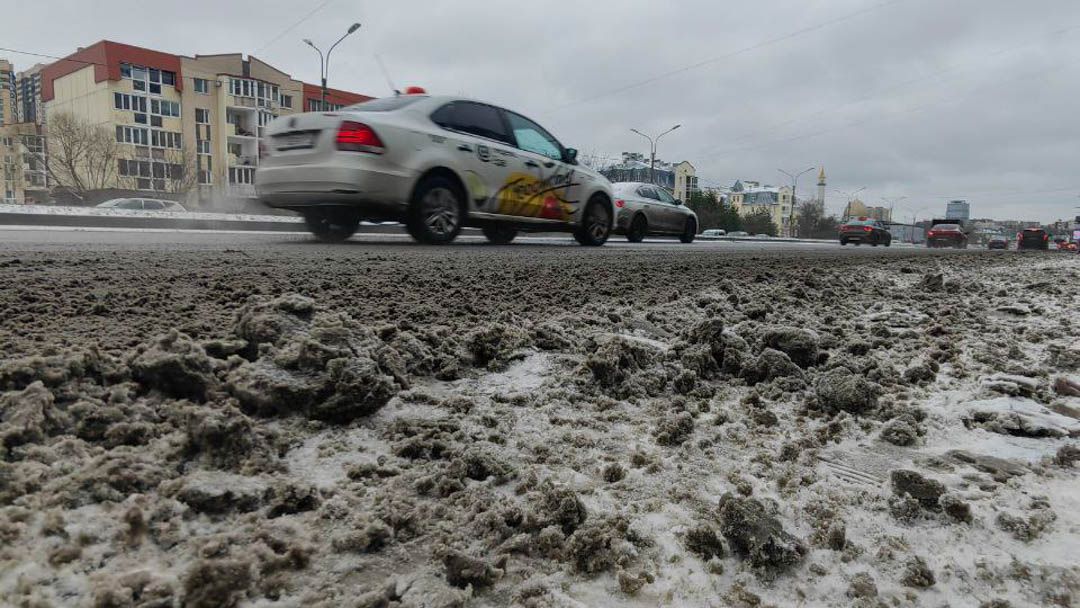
(89, 239)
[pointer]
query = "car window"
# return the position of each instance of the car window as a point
(152, 205)
(665, 196)
(946, 227)
(473, 118)
(648, 192)
(531, 137)
(131, 203)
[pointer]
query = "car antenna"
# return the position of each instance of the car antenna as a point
(386, 74)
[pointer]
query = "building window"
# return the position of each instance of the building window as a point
(143, 79)
(241, 175)
(202, 85)
(317, 105)
(202, 146)
(286, 101)
(202, 116)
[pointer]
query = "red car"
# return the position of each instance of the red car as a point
(946, 235)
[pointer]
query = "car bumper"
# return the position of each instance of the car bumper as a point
(379, 190)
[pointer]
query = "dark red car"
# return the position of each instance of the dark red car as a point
(864, 230)
(947, 235)
(1033, 238)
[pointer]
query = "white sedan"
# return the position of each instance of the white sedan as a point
(436, 164)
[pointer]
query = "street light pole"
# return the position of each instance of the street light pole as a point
(892, 203)
(851, 198)
(794, 190)
(324, 60)
(652, 150)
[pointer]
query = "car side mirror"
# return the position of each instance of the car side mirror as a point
(678, 202)
(571, 156)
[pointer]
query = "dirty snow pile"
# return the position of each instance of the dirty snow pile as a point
(902, 436)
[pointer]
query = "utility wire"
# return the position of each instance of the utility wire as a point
(293, 26)
(743, 50)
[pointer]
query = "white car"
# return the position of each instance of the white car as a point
(712, 233)
(643, 209)
(142, 204)
(435, 164)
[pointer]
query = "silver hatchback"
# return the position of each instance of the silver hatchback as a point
(644, 209)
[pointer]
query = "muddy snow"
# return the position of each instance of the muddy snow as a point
(538, 428)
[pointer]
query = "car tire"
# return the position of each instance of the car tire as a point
(639, 228)
(499, 233)
(596, 219)
(843, 243)
(689, 231)
(437, 211)
(888, 243)
(332, 225)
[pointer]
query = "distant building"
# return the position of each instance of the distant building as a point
(957, 210)
(8, 109)
(23, 176)
(749, 197)
(686, 181)
(28, 95)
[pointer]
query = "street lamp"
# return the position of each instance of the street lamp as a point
(652, 150)
(892, 203)
(851, 198)
(324, 60)
(794, 189)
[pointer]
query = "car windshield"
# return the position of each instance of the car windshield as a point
(946, 227)
(386, 104)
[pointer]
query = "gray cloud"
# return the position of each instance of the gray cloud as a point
(925, 98)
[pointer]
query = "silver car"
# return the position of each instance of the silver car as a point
(142, 204)
(642, 209)
(435, 164)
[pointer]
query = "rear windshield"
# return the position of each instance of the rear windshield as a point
(860, 222)
(946, 227)
(385, 104)
(1039, 230)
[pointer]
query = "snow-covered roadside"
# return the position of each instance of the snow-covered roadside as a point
(815, 437)
(53, 210)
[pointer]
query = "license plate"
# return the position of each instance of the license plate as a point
(293, 141)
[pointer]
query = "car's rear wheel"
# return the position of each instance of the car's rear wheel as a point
(888, 242)
(437, 211)
(843, 242)
(689, 231)
(332, 225)
(595, 227)
(638, 229)
(499, 234)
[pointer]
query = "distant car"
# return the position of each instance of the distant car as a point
(1067, 246)
(865, 230)
(1033, 238)
(713, 233)
(643, 209)
(142, 204)
(434, 163)
(997, 241)
(738, 233)
(947, 235)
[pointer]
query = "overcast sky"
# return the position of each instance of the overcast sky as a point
(929, 99)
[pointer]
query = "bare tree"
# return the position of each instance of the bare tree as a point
(182, 175)
(81, 157)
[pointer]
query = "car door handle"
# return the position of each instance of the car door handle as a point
(532, 164)
(549, 164)
(464, 148)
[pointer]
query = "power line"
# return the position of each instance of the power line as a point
(735, 53)
(293, 26)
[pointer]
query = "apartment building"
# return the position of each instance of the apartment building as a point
(686, 181)
(28, 95)
(188, 126)
(749, 197)
(8, 112)
(23, 175)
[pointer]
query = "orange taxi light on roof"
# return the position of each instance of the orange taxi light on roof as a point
(415, 91)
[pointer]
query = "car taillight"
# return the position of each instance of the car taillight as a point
(358, 137)
(1046, 237)
(620, 203)
(867, 228)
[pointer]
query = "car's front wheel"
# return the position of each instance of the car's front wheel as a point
(638, 229)
(689, 231)
(437, 211)
(332, 225)
(595, 226)
(499, 234)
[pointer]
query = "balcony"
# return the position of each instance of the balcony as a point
(243, 160)
(240, 190)
(236, 130)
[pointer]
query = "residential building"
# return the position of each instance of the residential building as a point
(958, 210)
(8, 111)
(190, 127)
(23, 176)
(28, 95)
(686, 181)
(749, 197)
